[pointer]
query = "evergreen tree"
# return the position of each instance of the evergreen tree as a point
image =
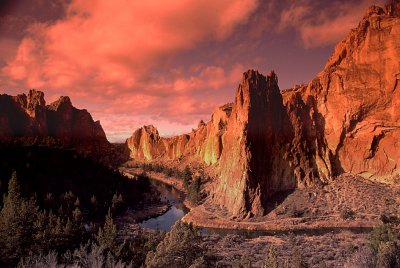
(77, 202)
(245, 262)
(297, 260)
(107, 235)
(117, 202)
(194, 192)
(286, 263)
(187, 177)
(181, 247)
(17, 218)
(187, 172)
(272, 259)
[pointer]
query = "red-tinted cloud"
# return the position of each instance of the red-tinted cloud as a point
(169, 63)
(323, 26)
(103, 54)
(114, 42)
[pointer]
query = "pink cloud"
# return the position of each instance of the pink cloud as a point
(111, 42)
(103, 54)
(319, 27)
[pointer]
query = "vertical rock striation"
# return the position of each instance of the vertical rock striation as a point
(252, 166)
(203, 144)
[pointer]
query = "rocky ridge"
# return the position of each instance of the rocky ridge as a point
(267, 141)
(27, 120)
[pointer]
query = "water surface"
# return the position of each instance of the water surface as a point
(176, 211)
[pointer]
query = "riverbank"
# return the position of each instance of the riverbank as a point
(202, 217)
(172, 181)
(328, 239)
(347, 203)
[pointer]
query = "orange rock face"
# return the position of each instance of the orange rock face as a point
(203, 144)
(345, 120)
(253, 163)
(354, 100)
(26, 120)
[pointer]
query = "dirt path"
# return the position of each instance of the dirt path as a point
(202, 217)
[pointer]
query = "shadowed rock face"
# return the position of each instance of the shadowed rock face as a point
(26, 120)
(254, 160)
(345, 120)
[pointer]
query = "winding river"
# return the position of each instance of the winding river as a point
(176, 211)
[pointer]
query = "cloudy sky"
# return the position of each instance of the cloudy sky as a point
(167, 63)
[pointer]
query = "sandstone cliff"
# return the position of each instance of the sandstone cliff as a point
(344, 120)
(27, 120)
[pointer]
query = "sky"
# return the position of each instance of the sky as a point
(168, 63)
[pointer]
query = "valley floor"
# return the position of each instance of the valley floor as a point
(326, 225)
(331, 248)
(348, 202)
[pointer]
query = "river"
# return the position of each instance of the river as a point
(176, 211)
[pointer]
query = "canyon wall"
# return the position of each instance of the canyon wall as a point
(345, 120)
(354, 99)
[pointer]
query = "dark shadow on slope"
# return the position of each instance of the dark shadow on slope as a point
(276, 199)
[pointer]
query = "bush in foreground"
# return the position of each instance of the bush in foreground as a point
(181, 247)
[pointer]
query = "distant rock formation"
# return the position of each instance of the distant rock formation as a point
(345, 120)
(203, 144)
(27, 120)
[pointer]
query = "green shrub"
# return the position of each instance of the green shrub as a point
(388, 255)
(181, 247)
(297, 260)
(194, 192)
(380, 234)
(272, 259)
(293, 211)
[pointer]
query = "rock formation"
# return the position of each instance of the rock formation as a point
(203, 144)
(253, 163)
(345, 120)
(26, 120)
(354, 99)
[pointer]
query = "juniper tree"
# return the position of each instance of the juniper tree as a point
(107, 235)
(17, 219)
(181, 247)
(272, 259)
(194, 192)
